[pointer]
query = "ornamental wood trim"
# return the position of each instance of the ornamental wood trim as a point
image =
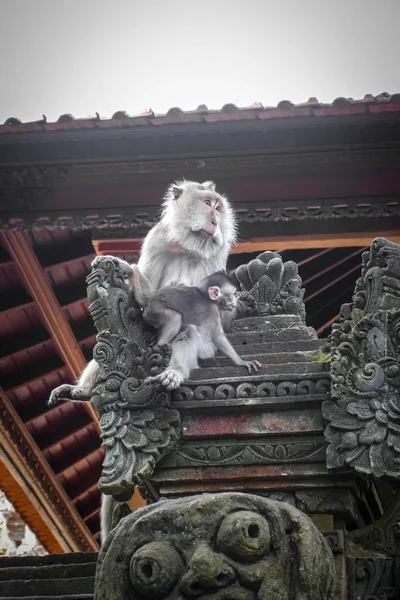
(44, 503)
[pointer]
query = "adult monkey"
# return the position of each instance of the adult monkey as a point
(192, 240)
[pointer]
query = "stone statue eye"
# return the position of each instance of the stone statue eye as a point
(155, 569)
(244, 536)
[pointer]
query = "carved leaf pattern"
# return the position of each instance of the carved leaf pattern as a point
(364, 413)
(274, 285)
(248, 454)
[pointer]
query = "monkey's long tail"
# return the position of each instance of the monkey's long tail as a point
(141, 287)
(108, 505)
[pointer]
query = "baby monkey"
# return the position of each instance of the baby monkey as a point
(172, 309)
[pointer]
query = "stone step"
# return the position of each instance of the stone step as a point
(56, 576)
(288, 335)
(49, 559)
(250, 347)
(298, 356)
(57, 587)
(52, 597)
(292, 370)
(48, 571)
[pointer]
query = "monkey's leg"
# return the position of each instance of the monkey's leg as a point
(171, 327)
(82, 391)
(183, 359)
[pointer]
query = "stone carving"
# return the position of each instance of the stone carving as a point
(225, 546)
(384, 534)
(372, 578)
(364, 413)
(138, 425)
(275, 285)
(247, 454)
(254, 389)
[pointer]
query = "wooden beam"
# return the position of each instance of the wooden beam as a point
(52, 315)
(300, 242)
(275, 243)
(36, 493)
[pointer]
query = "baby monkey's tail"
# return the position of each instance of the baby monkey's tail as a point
(141, 287)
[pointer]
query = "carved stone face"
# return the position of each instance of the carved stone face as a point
(215, 547)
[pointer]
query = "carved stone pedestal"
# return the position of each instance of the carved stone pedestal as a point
(287, 433)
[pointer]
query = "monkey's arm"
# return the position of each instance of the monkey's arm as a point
(82, 391)
(225, 347)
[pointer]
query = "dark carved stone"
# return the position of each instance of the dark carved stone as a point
(258, 387)
(364, 414)
(219, 546)
(374, 557)
(268, 454)
(274, 285)
(384, 534)
(372, 579)
(138, 425)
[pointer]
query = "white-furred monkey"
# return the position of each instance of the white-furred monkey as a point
(192, 240)
(172, 308)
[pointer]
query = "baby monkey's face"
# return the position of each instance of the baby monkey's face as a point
(228, 299)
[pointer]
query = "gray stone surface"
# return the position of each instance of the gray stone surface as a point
(223, 547)
(55, 576)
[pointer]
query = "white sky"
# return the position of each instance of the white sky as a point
(83, 56)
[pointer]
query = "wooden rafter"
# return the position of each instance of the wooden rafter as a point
(35, 491)
(52, 315)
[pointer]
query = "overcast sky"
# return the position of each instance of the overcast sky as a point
(87, 56)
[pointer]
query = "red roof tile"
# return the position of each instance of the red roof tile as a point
(230, 112)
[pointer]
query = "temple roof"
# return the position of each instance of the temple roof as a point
(340, 106)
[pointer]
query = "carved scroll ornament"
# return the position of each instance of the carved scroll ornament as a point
(364, 414)
(138, 426)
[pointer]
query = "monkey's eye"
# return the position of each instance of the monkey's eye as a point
(218, 208)
(244, 536)
(155, 569)
(207, 201)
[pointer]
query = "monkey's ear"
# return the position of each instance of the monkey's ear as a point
(209, 185)
(176, 191)
(214, 292)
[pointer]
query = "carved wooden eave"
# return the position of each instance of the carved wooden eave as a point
(339, 173)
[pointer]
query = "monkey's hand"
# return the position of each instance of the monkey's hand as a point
(251, 364)
(67, 392)
(168, 378)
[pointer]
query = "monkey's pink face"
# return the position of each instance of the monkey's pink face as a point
(212, 208)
